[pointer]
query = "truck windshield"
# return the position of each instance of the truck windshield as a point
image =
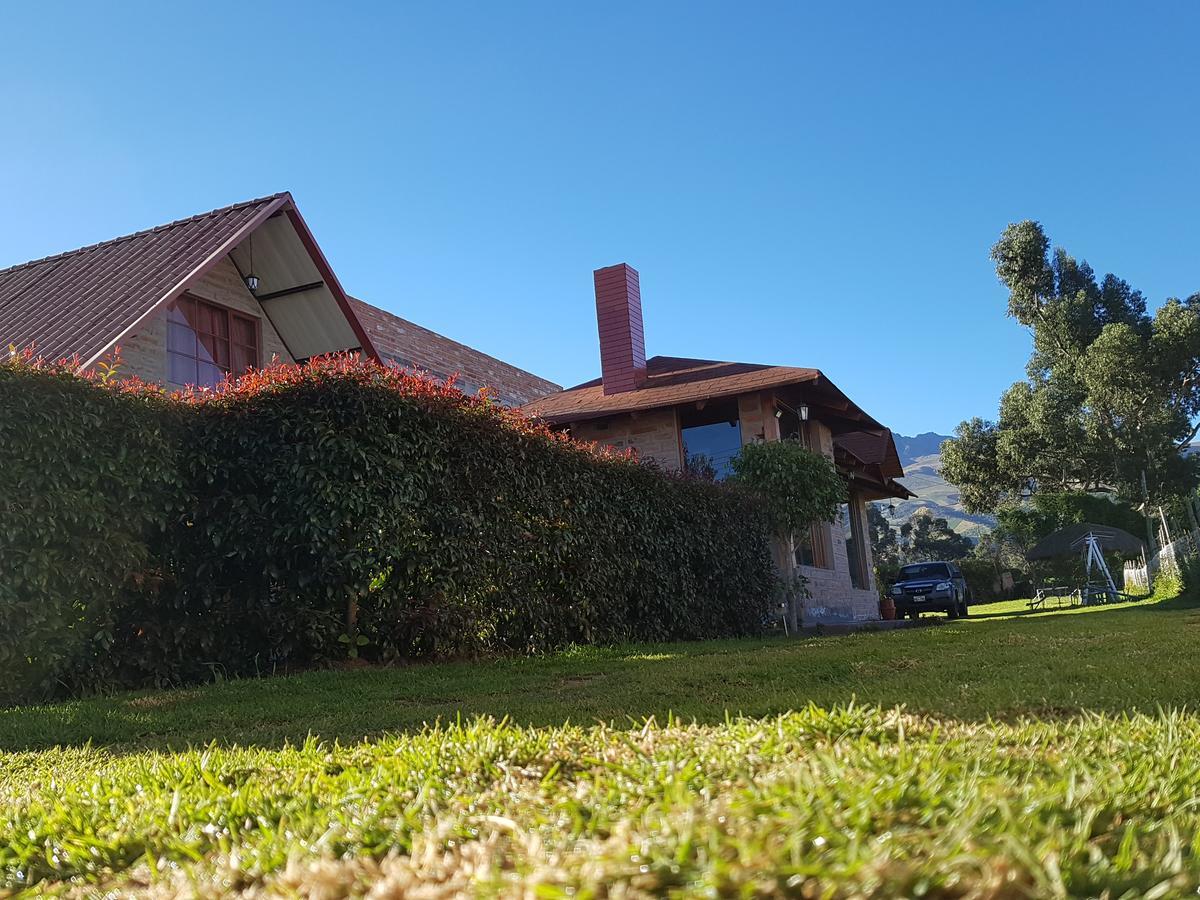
(925, 570)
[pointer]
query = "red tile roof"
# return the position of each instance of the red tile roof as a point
(674, 380)
(85, 300)
(407, 344)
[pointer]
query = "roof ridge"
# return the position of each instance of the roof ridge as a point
(137, 234)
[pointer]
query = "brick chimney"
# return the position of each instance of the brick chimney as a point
(619, 316)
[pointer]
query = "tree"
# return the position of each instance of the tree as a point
(1109, 391)
(928, 537)
(885, 549)
(797, 487)
(1027, 523)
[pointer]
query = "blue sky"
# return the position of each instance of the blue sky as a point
(800, 185)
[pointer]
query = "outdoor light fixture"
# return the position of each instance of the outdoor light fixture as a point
(801, 411)
(251, 279)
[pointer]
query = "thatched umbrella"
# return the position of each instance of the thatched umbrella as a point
(1072, 541)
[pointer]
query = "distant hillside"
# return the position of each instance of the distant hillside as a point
(922, 460)
(913, 448)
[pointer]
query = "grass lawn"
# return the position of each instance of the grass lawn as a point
(1016, 753)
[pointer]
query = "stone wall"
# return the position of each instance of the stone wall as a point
(756, 415)
(654, 435)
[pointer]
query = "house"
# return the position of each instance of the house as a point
(217, 293)
(695, 414)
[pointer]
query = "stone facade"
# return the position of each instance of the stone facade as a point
(144, 353)
(654, 435)
(834, 598)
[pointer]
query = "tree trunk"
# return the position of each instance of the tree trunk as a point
(352, 625)
(1149, 531)
(793, 601)
(785, 563)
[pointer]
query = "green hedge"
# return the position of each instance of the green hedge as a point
(88, 486)
(233, 533)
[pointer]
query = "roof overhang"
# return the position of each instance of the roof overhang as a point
(825, 400)
(874, 481)
(297, 289)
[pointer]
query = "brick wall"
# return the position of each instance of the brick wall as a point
(144, 353)
(654, 434)
(410, 346)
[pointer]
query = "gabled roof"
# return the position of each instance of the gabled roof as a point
(410, 346)
(85, 301)
(671, 381)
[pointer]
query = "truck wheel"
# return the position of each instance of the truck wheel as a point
(963, 609)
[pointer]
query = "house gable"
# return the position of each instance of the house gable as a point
(89, 300)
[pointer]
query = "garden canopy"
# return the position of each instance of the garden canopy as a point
(1071, 541)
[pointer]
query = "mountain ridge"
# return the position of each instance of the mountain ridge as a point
(921, 456)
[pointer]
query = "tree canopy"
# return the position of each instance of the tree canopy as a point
(1027, 523)
(796, 486)
(1110, 391)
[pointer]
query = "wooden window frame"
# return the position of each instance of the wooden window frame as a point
(231, 316)
(860, 571)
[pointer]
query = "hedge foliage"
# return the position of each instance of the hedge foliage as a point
(305, 513)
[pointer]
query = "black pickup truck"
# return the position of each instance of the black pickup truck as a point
(930, 587)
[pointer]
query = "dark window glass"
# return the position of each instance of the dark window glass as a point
(853, 550)
(712, 437)
(925, 570)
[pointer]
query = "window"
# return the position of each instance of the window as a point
(855, 555)
(712, 437)
(791, 428)
(810, 547)
(205, 342)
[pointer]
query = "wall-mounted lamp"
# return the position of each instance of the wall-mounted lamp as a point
(251, 279)
(801, 411)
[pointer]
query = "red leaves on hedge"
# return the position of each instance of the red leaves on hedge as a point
(300, 510)
(407, 383)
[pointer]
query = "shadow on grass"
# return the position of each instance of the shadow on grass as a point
(1104, 659)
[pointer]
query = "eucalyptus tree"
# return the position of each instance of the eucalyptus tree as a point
(1111, 393)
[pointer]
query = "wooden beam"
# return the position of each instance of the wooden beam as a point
(297, 289)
